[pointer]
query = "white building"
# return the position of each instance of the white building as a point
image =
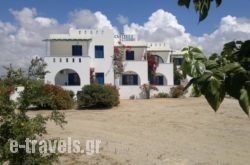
(74, 57)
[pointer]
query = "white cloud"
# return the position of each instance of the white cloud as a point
(83, 19)
(161, 26)
(86, 19)
(102, 21)
(230, 28)
(46, 22)
(122, 19)
(21, 40)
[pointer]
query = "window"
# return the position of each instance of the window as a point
(73, 79)
(131, 79)
(77, 50)
(177, 61)
(157, 80)
(99, 78)
(99, 51)
(130, 55)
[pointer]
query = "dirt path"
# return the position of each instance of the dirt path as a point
(160, 132)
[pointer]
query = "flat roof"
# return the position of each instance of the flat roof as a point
(68, 39)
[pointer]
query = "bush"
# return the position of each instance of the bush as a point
(58, 98)
(45, 97)
(19, 126)
(100, 96)
(177, 91)
(162, 95)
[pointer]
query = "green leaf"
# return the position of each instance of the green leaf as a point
(211, 64)
(195, 50)
(186, 67)
(202, 79)
(218, 3)
(202, 6)
(200, 68)
(184, 3)
(244, 100)
(215, 93)
(235, 68)
(247, 86)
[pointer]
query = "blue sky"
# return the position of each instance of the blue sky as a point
(25, 23)
(136, 10)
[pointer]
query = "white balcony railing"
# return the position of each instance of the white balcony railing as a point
(65, 59)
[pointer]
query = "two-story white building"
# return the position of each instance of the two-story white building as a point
(74, 59)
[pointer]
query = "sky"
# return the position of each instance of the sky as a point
(25, 23)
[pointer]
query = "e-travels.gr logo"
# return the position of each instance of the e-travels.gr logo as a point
(53, 146)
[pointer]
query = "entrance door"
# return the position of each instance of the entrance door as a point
(73, 79)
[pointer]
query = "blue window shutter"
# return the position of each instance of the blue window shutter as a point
(124, 80)
(99, 78)
(130, 55)
(135, 79)
(76, 50)
(73, 79)
(160, 80)
(99, 51)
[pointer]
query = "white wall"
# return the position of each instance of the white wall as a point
(168, 71)
(55, 66)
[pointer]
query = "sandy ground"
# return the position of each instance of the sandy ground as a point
(159, 132)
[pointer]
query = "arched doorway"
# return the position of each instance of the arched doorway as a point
(67, 77)
(159, 79)
(158, 59)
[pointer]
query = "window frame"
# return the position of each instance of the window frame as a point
(130, 55)
(130, 79)
(99, 51)
(77, 50)
(97, 78)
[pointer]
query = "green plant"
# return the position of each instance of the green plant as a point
(227, 73)
(177, 91)
(162, 95)
(195, 91)
(96, 95)
(45, 96)
(146, 88)
(17, 125)
(201, 6)
(114, 93)
(118, 59)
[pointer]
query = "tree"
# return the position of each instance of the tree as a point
(37, 69)
(15, 124)
(200, 6)
(18, 126)
(227, 73)
(13, 76)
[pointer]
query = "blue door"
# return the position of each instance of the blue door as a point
(73, 79)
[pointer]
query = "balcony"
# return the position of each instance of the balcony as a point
(65, 59)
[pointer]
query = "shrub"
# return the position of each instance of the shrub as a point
(19, 126)
(100, 96)
(46, 97)
(177, 91)
(58, 98)
(114, 92)
(162, 95)
(146, 88)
